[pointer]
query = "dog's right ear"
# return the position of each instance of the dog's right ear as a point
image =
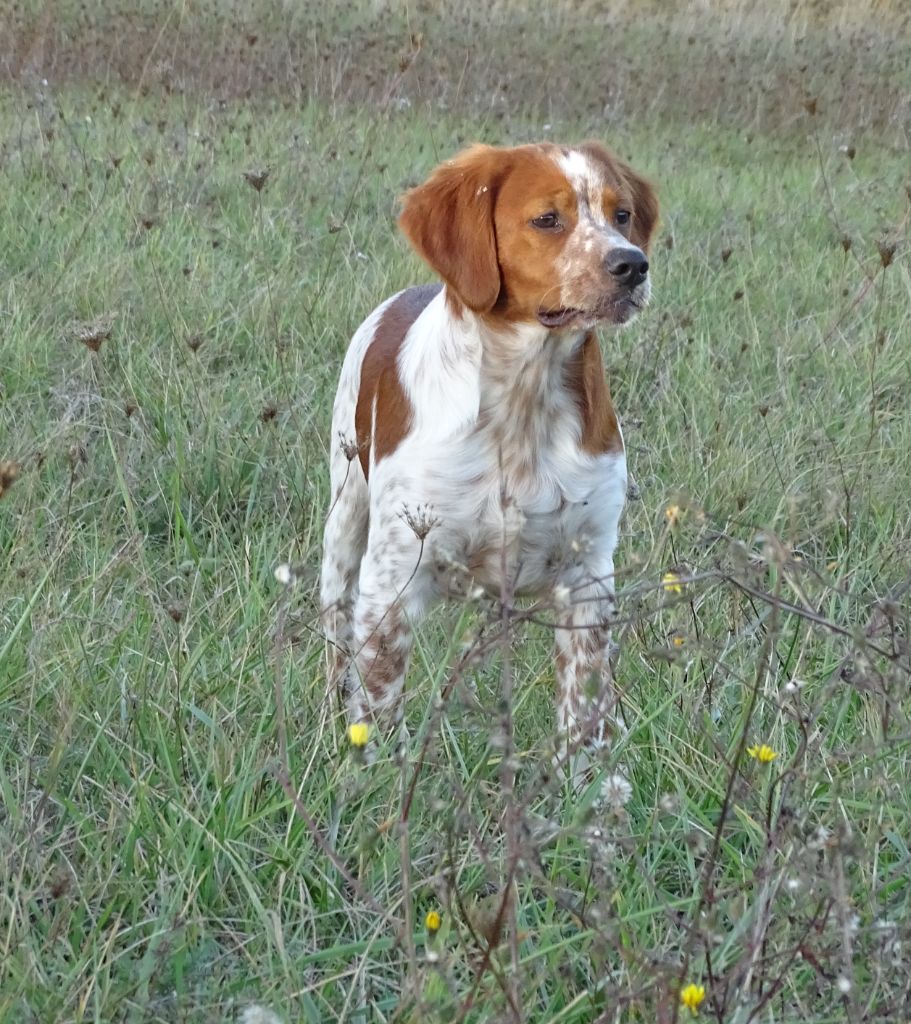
(449, 221)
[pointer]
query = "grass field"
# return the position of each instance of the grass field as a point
(171, 330)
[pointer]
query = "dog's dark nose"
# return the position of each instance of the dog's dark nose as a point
(627, 266)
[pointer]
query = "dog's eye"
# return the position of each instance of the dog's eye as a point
(622, 216)
(547, 221)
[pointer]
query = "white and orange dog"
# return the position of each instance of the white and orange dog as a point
(478, 410)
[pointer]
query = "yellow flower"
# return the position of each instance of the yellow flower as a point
(671, 583)
(678, 641)
(358, 734)
(672, 515)
(433, 921)
(691, 996)
(762, 753)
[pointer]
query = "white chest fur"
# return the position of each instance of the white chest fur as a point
(495, 457)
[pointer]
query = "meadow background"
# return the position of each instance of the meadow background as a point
(197, 206)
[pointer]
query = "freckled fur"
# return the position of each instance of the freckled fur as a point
(471, 398)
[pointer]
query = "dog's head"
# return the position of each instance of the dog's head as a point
(543, 233)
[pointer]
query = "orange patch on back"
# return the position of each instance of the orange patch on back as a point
(380, 383)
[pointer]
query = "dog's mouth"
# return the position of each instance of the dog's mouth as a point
(615, 311)
(559, 317)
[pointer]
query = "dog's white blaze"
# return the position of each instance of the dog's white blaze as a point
(593, 233)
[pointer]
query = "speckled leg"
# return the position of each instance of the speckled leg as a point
(585, 698)
(392, 597)
(344, 543)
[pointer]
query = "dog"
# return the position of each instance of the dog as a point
(473, 429)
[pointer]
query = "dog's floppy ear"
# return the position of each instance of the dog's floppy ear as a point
(449, 221)
(645, 207)
(644, 199)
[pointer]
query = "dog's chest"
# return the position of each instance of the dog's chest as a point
(541, 512)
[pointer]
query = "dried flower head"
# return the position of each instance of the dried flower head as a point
(672, 514)
(421, 520)
(9, 471)
(257, 179)
(284, 574)
(92, 333)
(886, 253)
(616, 792)
(259, 1015)
(350, 449)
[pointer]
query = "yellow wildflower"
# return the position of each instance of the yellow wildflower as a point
(358, 734)
(762, 752)
(672, 514)
(692, 996)
(671, 583)
(433, 921)
(678, 640)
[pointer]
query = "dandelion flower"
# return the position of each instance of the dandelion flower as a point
(672, 515)
(284, 574)
(259, 1015)
(672, 583)
(358, 734)
(616, 792)
(692, 996)
(762, 753)
(677, 640)
(433, 921)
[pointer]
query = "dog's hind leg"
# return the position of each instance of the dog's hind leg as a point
(344, 543)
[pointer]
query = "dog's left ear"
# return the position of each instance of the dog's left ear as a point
(644, 199)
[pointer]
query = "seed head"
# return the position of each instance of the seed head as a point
(257, 179)
(886, 253)
(9, 471)
(92, 333)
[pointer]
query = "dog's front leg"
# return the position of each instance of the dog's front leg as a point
(585, 697)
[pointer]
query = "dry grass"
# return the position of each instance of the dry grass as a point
(754, 64)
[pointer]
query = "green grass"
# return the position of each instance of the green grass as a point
(154, 868)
